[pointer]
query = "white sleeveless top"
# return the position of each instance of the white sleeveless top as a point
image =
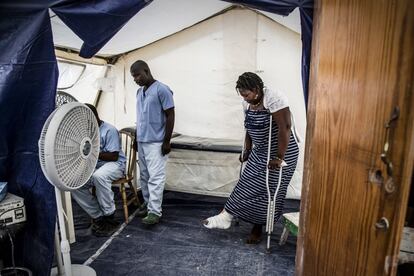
(274, 101)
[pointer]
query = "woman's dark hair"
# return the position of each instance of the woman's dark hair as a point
(249, 81)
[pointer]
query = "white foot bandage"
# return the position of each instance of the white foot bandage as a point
(220, 221)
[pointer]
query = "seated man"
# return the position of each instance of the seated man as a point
(110, 167)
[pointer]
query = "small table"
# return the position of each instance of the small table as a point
(291, 223)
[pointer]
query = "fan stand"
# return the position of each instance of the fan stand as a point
(63, 124)
(66, 268)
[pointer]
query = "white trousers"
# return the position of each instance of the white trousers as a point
(103, 203)
(152, 167)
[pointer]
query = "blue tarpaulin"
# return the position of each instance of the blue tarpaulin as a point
(28, 80)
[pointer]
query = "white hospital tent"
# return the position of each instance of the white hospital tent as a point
(198, 48)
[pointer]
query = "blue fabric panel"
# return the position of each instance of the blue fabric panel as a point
(96, 22)
(285, 7)
(28, 78)
(306, 19)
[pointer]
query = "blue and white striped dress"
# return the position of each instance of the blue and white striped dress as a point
(249, 199)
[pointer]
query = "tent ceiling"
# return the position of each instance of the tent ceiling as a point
(159, 19)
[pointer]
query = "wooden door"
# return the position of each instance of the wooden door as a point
(362, 70)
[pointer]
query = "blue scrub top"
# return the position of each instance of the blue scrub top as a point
(110, 142)
(151, 117)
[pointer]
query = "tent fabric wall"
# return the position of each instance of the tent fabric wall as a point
(285, 7)
(108, 17)
(28, 79)
(221, 48)
(161, 18)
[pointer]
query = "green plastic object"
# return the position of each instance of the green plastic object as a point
(291, 222)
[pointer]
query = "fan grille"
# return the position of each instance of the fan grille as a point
(42, 155)
(72, 158)
(69, 146)
(63, 98)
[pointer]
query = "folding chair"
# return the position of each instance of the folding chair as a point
(127, 140)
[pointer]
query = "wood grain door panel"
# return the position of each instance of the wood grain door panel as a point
(362, 67)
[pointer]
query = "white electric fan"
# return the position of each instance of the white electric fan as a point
(63, 98)
(68, 152)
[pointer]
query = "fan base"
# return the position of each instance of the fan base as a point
(77, 270)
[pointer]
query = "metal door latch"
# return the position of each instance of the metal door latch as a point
(382, 224)
(384, 155)
(389, 186)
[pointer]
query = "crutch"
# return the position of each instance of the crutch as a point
(271, 202)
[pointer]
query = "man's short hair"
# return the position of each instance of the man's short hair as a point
(138, 65)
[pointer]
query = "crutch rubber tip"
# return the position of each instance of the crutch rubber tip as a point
(267, 250)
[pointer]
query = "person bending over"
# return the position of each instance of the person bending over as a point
(249, 199)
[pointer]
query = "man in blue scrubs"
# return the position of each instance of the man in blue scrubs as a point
(155, 123)
(110, 167)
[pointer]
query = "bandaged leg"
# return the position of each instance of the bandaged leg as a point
(220, 221)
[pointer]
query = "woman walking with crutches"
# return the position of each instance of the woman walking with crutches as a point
(267, 122)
